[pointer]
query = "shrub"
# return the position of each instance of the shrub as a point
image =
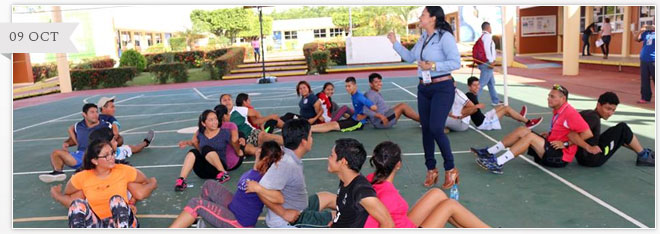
(308, 49)
(174, 71)
(338, 55)
(190, 58)
(157, 48)
(132, 58)
(320, 60)
(214, 54)
(178, 43)
(108, 77)
(44, 71)
(102, 62)
(222, 65)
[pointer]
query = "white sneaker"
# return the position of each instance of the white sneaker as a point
(52, 177)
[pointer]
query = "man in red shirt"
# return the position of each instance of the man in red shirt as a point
(549, 149)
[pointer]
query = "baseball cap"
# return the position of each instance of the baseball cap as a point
(104, 100)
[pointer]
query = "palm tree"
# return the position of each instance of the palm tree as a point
(191, 36)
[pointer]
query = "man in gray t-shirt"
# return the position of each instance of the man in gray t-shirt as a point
(385, 117)
(282, 189)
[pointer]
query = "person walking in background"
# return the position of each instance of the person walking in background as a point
(256, 47)
(486, 76)
(586, 34)
(605, 35)
(647, 62)
(437, 55)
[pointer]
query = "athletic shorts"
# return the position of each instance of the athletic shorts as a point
(391, 116)
(78, 155)
(253, 138)
(551, 158)
(457, 125)
(349, 125)
(311, 217)
(202, 167)
(491, 121)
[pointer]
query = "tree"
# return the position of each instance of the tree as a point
(253, 29)
(222, 22)
(191, 36)
(404, 13)
(341, 19)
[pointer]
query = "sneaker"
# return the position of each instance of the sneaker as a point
(648, 159)
(490, 164)
(523, 111)
(534, 122)
(122, 161)
(180, 184)
(482, 153)
(52, 177)
(497, 104)
(150, 137)
(642, 101)
(222, 177)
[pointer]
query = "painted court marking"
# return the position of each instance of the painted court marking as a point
(564, 181)
(200, 94)
(179, 165)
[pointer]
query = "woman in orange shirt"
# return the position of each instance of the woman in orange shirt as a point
(105, 186)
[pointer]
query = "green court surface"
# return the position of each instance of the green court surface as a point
(616, 195)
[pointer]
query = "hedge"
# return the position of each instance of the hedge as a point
(190, 58)
(222, 65)
(132, 58)
(95, 63)
(308, 49)
(214, 54)
(320, 60)
(174, 71)
(44, 71)
(108, 77)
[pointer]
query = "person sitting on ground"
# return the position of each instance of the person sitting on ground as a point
(310, 104)
(356, 198)
(236, 152)
(272, 121)
(283, 190)
(78, 135)
(220, 208)
(467, 105)
(392, 115)
(208, 157)
(432, 210)
(548, 149)
(106, 106)
(358, 119)
(332, 111)
(239, 115)
(613, 138)
(106, 208)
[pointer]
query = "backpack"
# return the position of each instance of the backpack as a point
(478, 52)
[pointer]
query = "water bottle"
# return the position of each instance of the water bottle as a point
(453, 192)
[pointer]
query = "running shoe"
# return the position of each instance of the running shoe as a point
(647, 159)
(642, 101)
(482, 153)
(222, 177)
(497, 104)
(52, 177)
(180, 184)
(523, 111)
(534, 122)
(150, 137)
(490, 164)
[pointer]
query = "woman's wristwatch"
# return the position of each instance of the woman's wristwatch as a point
(432, 66)
(566, 144)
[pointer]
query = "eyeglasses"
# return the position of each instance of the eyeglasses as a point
(109, 157)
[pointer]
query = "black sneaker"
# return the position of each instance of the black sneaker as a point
(52, 177)
(648, 159)
(123, 161)
(150, 137)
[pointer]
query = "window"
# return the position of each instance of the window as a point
(319, 33)
(614, 13)
(125, 38)
(137, 39)
(646, 15)
(158, 39)
(337, 32)
(149, 41)
(288, 35)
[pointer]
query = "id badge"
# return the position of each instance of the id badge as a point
(426, 77)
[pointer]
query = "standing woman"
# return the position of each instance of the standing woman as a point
(586, 34)
(606, 35)
(437, 55)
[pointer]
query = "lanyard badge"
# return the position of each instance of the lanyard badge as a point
(426, 74)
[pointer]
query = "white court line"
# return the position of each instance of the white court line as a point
(168, 104)
(77, 113)
(564, 181)
(85, 100)
(179, 165)
(167, 95)
(152, 125)
(200, 94)
(63, 138)
(573, 186)
(404, 89)
(141, 115)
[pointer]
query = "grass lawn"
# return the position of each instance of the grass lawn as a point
(146, 78)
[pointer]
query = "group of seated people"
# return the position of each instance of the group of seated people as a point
(229, 132)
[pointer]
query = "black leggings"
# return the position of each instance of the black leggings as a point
(585, 42)
(609, 142)
(202, 167)
(606, 45)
